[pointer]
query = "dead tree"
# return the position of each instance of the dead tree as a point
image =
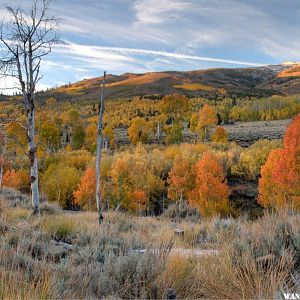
(26, 38)
(99, 152)
(3, 146)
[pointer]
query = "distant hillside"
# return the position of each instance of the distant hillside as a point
(263, 81)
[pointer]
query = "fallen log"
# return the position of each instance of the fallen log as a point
(182, 251)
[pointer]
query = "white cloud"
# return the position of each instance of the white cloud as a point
(58, 65)
(159, 11)
(112, 31)
(281, 49)
(42, 87)
(4, 16)
(89, 51)
(99, 52)
(9, 85)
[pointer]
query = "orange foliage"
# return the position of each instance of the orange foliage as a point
(139, 200)
(279, 185)
(211, 192)
(181, 179)
(11, 179)
(85, 194)
(267, 190)
(23, 176)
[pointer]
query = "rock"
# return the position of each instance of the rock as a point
(179, 232)
(170, 294)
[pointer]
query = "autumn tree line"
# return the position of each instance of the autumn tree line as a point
(61, 124)
(145, 179)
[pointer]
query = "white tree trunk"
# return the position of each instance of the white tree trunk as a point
(158, 132)
(99, 153)
(33, 161)
(2, 162)
(1, 175)
(35, 187)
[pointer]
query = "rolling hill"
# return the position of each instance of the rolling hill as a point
(262, 81)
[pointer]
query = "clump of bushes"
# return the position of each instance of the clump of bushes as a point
(182, 211)
(59, 227)
(268, 242)
(11, 197)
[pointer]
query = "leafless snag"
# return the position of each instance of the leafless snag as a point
(3, 146)
(25, 39)
(99, 152)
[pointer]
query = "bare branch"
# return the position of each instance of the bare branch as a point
(27, 39)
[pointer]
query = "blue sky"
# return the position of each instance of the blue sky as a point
(155, 35)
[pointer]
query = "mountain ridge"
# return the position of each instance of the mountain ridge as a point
(264, 81)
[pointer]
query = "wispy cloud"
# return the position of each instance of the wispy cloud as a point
(156, 35)
(123, 54)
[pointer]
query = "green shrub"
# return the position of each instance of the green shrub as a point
(59, 227)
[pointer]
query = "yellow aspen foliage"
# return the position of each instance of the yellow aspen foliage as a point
(109, 134)
(68, 148)
(194, 122)
(58, 182)
(139, 130)
(90, 137)
(220, 135)
(207, 119)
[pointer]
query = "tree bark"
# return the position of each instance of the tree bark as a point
(33, 158)
(2, 161)
(99, 153)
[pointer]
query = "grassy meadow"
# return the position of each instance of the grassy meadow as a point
(67, 255)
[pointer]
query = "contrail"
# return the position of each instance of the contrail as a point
(88, 50)
(176, 55)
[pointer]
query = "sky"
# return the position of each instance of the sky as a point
(139, 36)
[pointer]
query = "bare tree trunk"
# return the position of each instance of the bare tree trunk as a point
(180, 205)
(105, 144)
(158, 132)
(2, 161)
(99, 153)
(33, 157)
(24, 42)
(1, 175)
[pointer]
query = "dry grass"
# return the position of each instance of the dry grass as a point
(194, 87)
(140, 79)
(294, 71)
(257, 260)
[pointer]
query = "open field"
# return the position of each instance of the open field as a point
(67, 255)
(244, 133)
(247, 133)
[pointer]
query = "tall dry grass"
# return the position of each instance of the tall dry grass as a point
(67, 255)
